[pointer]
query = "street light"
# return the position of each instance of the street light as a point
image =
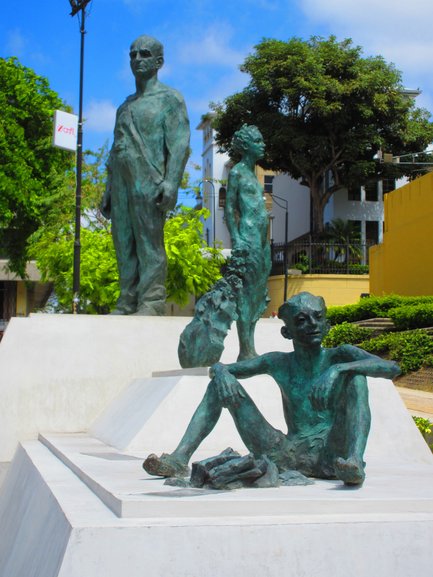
(78, 6)
(213, 208)
(286, 236)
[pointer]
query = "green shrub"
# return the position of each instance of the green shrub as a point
(414, 316)
(346, 333)
(372, 307)
(411, 350)
(425, 427)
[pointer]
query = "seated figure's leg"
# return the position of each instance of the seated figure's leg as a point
(257, 434)
(349, 435)
(202, 422)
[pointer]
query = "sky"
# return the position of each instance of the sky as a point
(205, 42)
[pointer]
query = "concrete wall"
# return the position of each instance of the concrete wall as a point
(402, 264)
(335, 289)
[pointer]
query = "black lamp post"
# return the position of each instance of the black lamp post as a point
(213, 205)
(79, 6)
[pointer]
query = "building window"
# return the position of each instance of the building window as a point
(356, 228)
(388, 184)
(222, 196)
(371, 191)
(354, 193)
(268, 184)
(372, 231)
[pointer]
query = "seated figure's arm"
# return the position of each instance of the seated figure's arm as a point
(224, 377)
(259, 365)
(350, 360)
(355, 360)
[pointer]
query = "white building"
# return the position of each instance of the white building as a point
(363, 205)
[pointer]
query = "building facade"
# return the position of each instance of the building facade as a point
(287, 199)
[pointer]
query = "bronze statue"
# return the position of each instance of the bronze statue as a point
(145, 167)
(242, 294)
(325, 401)
(248, 221)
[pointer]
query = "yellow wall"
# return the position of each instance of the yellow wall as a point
(335, 289)
(403, 263)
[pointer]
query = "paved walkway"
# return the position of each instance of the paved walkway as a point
(419, 403)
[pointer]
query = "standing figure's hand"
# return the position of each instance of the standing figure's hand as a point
(167, 196)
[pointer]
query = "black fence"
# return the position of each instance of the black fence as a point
(319, 257)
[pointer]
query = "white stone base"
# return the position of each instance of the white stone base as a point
(75, 506)
(59, 372)
(54, 525)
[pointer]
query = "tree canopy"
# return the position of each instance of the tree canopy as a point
(31, 169)
(325, 111)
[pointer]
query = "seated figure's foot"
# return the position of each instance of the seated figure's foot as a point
(350, 471)
(165, 466)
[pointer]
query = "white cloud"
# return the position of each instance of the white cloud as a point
(212, 48)
(100, 116)
(16, 43)
(397, 30)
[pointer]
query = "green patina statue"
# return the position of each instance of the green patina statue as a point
(243, 295)
(145, 167)
(325, 401)
(248, 221)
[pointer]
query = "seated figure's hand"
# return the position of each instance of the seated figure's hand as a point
(228, 388)
(167, 195)
(323, 387)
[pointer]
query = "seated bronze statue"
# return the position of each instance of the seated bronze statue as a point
(325, 400)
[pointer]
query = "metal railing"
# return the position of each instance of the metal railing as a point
(321, 257)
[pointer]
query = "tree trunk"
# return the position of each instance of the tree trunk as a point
(318, 203)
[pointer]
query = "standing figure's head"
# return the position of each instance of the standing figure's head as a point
(146, 57)
(248, 140)
(304, 317)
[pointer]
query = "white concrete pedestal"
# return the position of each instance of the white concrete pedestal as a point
(80, 505)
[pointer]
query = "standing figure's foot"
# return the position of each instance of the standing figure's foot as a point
(350, 471)
(165, 466)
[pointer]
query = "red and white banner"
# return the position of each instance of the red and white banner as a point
(65, 130)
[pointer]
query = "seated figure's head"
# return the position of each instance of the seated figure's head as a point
(304, 317)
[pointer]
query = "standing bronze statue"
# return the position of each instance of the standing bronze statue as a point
(242, 294)
(325, 401)
(145, 168)
(247, 221)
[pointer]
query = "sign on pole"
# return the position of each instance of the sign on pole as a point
(65, 130)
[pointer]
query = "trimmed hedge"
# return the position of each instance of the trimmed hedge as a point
(411, 350)
(415, 316)
(346, 333)
(373, 307)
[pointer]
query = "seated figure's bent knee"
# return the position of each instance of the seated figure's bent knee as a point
(357, 388)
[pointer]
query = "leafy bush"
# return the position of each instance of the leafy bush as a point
(411, 350)
(372, 307)
(346, 333)
(412, 316)
(424, 426)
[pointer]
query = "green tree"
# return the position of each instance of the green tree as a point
(193, 267)
(31, 169)
(324, 111)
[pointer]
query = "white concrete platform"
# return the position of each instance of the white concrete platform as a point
(73, 505)
(58, 372)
